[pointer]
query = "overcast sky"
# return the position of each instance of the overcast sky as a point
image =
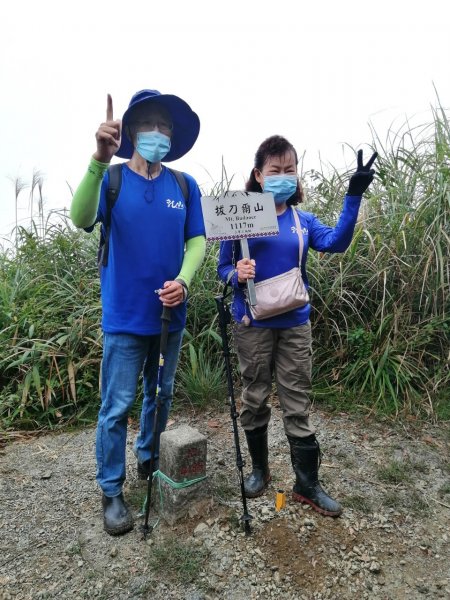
(315, 72)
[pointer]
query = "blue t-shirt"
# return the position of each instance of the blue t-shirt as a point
(279, 253)
(150, 223)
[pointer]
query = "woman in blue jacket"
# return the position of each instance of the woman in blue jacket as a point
(281, 345)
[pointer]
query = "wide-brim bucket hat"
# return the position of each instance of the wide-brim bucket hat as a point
(186, 124)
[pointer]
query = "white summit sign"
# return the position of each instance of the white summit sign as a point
(239, 215)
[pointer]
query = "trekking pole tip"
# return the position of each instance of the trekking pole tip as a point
(145, 531)
(246, 518)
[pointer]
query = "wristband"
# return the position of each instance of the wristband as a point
(185, 288)
(230, 276)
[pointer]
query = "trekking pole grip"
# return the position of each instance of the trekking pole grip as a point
(165, 320)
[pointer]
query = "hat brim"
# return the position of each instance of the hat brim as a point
(186, 126)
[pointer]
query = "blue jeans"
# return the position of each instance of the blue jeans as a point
(124, 358)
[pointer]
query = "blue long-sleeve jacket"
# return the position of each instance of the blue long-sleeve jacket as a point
(279, 253)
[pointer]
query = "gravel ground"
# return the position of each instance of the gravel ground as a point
(392, 542)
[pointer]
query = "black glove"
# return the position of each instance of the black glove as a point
(362, 178)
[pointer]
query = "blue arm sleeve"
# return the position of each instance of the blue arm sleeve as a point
(336, 239)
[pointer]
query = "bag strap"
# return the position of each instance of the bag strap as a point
(181, 180)
(300, 236)
(112, 193)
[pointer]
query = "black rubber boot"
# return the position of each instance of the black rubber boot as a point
(305, 456)
(256, 482)
(143, 469)
(117, 519)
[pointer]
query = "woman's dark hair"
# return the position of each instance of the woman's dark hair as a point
(276, 145)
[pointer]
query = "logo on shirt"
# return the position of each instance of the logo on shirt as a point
(173, 204)
(304, 230)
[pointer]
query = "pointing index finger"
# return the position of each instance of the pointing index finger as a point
(109, 108)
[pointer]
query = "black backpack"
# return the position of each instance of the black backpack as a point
(115, 182)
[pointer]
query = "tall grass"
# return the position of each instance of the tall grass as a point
(49, 327)
(380, 310)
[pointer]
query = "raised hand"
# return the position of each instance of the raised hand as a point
(363, 176)
(108, 135)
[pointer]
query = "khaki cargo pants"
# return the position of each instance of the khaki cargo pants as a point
(286, 353)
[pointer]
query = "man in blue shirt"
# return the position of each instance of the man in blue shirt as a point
(156, 241)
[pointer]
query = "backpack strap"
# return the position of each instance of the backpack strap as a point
(112, 193)
(181, 180)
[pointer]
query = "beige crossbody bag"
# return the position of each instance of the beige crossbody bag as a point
(282, 293)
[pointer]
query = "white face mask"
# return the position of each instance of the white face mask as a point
(152, 145)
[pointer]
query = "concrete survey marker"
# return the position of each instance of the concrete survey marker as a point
(182, 463)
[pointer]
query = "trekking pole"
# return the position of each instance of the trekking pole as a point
(224, 320)
(165, 318)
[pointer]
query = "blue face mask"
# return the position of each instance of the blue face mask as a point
(152, 145)
(281, 186)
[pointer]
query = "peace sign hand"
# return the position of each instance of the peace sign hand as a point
(362, 178)
(108, 135)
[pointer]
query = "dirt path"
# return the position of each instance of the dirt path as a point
(393, 541)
